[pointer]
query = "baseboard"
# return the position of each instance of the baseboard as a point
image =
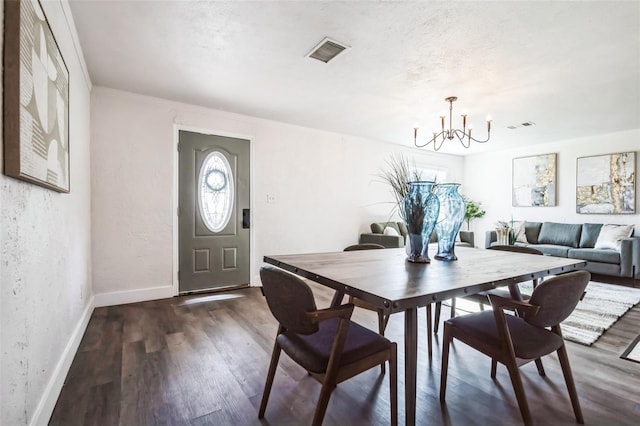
(133, 296)
(47, 403)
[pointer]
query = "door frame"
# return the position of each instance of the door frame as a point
(174, 208)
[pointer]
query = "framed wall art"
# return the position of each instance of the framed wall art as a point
(606, 184)
(534, 181)
(36, 99)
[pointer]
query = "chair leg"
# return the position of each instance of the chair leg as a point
(323, 402)
(436, 319)
(571, 385)
(494, 368)
(453, 307)
(275, 356)
(393, 383)
(540, 367)
(429, 337)
(518, 387)
(382, 324)
(448, 337)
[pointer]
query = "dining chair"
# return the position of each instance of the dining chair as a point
(382, 318)
(325, 342)
(482, 298)
(516, 340)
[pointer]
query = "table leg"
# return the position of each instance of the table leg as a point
(410, 362)
(337, 298)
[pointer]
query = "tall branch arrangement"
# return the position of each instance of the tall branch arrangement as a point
(398, 174)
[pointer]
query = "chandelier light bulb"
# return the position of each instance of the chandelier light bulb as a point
(463, 135)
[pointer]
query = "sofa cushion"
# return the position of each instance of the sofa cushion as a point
(589, 234)
(595, 255)
(611, 236)
(551, 249)
(390, 231)
(562, 234)
(379, 227)
(519, 231)
(531, 231)
(403, 229)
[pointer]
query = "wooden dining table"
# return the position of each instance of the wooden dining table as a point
(385, 279)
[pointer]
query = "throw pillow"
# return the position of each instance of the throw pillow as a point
(589, 235)
(518, 230)
(611, 236)
(376, 228)
(390, 231)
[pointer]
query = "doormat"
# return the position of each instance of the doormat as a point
(632, 353)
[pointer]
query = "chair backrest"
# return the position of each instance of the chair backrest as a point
(557, 297)
(364, 246)
(289, 299)
(517, 249)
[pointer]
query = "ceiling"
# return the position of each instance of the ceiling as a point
(573, 68)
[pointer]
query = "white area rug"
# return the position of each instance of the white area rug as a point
(600, 309)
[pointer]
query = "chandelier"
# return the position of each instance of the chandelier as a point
(464, 135)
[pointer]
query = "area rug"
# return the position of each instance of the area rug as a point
(632, 353)
(601, 307)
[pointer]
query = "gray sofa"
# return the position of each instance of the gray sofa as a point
(577, 241)
(377, 236)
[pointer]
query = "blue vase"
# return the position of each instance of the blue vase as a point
(452, 211)
(420, 210)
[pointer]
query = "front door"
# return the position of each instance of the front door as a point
(213, 208)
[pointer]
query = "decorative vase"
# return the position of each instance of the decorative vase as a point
(502, 235)
(452, 210)
(421, 208)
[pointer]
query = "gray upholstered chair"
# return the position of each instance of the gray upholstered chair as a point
(515, 340)
(482, 298)
(325, 342)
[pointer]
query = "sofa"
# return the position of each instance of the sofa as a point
(608, 249)
(394, 234)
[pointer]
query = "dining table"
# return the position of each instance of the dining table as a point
(385, 279)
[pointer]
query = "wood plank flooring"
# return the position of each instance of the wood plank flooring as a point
(202, 360)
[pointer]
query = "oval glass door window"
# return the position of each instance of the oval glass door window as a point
(215, 191)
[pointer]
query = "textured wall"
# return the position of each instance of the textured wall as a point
(45, 259)
(494, 189)
(325, 186)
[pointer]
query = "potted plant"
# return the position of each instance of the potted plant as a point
(474, 211)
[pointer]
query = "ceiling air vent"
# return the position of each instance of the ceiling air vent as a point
(326, 50)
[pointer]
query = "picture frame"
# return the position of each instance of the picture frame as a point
(36, 99)
(534, 181)
(606, 184)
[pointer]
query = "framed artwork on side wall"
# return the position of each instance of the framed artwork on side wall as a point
(36, 99)
(606, 184)
(534, 181)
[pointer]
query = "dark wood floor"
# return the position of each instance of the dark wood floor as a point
(202, 360)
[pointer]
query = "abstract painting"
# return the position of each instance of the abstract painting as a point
(36, 99)
(606, 184)
(534, 181)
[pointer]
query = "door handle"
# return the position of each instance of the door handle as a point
(246, 216)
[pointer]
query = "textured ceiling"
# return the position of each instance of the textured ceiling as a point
(573, 68)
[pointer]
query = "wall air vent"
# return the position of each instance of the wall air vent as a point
(326, 50)
(525, 124)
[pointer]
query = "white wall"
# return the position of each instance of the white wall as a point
(45, 252)
(325, 187)
(493, 190)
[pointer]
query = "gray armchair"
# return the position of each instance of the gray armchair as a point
(378, 236)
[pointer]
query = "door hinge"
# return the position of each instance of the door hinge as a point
(178, 210)
(179, 143)
(178, 275)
